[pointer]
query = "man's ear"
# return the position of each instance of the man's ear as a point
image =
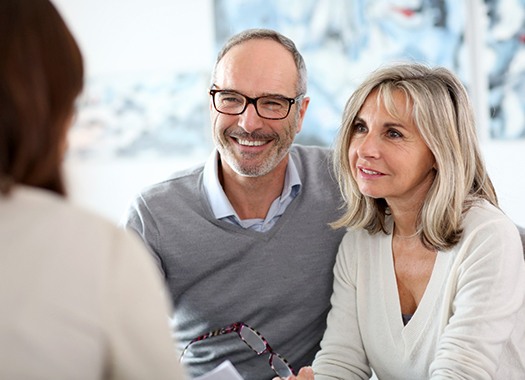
(302, 112)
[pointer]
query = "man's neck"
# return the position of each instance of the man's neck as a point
(251, 197)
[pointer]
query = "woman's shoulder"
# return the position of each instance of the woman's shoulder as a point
(44, 214)
(484, 215)
(363, 245)
(489, 227)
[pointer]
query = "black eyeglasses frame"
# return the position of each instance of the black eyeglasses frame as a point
(253, 101)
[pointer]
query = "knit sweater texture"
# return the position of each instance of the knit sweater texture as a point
(278, 282)
(470, 323)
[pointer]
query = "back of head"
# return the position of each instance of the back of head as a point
(442, 111)
(268, 34)
(41, 74)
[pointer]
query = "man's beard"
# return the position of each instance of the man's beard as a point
(248, 164)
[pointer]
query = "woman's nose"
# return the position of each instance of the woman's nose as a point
(369, 146)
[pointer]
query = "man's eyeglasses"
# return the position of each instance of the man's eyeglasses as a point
(255, 341)
(273, 107)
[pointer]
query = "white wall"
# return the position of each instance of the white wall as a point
(505, 162)
(120, 35)
(133, 36)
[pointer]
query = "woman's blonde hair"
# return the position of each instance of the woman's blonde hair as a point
(442, 112)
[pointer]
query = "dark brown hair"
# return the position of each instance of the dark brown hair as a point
(41, 75)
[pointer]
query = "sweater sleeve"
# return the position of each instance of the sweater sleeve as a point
(342, 354)
(485, 298)
(140, 220)
(140, 344)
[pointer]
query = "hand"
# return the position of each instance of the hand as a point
(305, 373)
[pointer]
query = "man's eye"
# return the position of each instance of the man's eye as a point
(272, 103)
(231, 99)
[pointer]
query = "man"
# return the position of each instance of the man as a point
(246, 237)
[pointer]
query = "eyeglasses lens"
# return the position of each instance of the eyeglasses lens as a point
(273, 107)
(280, 367)
(252, 339)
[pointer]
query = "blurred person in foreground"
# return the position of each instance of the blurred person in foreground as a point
(429, 282)
(244, 240)
(81, 299)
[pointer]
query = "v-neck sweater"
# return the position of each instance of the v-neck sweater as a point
(278, 282)
(470, 322)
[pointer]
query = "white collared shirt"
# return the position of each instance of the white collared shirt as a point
(222, 208)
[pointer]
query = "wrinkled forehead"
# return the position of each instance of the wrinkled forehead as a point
(257, 67)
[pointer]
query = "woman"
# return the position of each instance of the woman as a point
(80, 298)
(430, 277)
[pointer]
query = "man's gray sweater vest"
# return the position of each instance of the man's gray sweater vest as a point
(279, 282)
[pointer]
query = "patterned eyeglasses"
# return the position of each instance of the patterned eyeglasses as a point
(255, 341)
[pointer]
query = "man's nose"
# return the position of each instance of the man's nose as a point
(250, 120)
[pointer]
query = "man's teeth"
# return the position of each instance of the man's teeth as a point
(251, 142)
(369, 171)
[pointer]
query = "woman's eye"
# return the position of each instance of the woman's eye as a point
(394, 134)
(359, 128)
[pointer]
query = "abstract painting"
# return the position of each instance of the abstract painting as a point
(165, 114)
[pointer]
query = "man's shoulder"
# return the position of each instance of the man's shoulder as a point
(311, 150)
(188, 178)
(187, 174)
(312, 158)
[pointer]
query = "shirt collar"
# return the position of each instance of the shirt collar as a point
(219, 202)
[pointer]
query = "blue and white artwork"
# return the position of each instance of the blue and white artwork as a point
(159, 114)
(148, 115)
(505, 54)
(342, 41)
